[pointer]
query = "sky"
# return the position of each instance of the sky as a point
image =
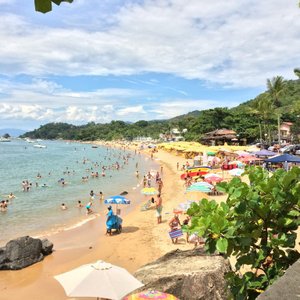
(130, 60)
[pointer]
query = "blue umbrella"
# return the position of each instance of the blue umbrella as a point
(284, 158)
(118, 199)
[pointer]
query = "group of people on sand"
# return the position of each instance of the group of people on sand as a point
(176, 225)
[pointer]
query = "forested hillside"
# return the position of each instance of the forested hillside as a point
(252, 120)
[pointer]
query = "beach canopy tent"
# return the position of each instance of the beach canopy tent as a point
(99, 280)
(264, 152)
(284, 158)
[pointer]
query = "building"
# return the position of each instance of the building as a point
(219, 137)
(285, 131)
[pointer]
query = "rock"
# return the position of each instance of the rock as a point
(21, 253)
(47, 247)
(285, 287)
(188, 275)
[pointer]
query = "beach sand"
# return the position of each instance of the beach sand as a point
(141, 241)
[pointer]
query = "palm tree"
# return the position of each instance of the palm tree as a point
(276, 87)
(297, 72)
(263, 108)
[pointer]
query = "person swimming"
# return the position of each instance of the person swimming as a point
(63, 206)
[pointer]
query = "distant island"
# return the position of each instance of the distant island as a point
(255, 120)
(13, 132)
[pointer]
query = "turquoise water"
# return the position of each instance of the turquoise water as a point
(38, 210)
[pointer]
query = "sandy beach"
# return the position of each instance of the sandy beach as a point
(141, 241)
(88, 242)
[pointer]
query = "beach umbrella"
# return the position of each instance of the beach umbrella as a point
(118, 199)
(151, 295)
(201, 184)
(264, 152)
(213, 178)
(236, 172)
(99, 280)
(284, 158)
(149, 191)
(201, 187)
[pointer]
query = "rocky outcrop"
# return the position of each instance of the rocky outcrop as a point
(23, 252)
(188, 275)
(285, 287)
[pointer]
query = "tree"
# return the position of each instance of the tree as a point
(297, 72)
(276, 87)
(45, 6)
(6, 136)
(257, 225)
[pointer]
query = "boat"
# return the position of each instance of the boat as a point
(3, 139)
(39, 146)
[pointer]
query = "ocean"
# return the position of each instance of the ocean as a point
(38, 211)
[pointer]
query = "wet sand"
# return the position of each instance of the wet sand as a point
(140, 242)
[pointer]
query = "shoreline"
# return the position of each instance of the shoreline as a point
(87, 244)
(78, 219)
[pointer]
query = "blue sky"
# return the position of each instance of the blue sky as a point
(139, 60)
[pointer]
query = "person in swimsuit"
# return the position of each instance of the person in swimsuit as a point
(174, 224)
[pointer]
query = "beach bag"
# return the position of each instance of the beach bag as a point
(175, 233)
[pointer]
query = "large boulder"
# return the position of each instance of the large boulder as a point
(189, 275)
(23, 252)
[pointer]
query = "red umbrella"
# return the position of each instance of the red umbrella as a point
(151, 295)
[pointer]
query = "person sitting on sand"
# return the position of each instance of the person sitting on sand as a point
(63, 206)
(175, 224)
(196, 240)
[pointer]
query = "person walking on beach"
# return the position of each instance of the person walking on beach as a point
(158, 208)
(160, 185)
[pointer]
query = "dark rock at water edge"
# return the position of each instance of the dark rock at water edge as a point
(188, 275)
(23, 252)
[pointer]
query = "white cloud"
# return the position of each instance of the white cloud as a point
(236, 43)
(131, 110)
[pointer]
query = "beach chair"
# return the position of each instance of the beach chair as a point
(146, 206)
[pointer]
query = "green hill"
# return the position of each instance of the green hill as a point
(251, 120)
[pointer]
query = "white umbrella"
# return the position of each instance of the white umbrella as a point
(100, 279)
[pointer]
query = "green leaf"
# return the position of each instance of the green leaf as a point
(222, 245)
(43, 6)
